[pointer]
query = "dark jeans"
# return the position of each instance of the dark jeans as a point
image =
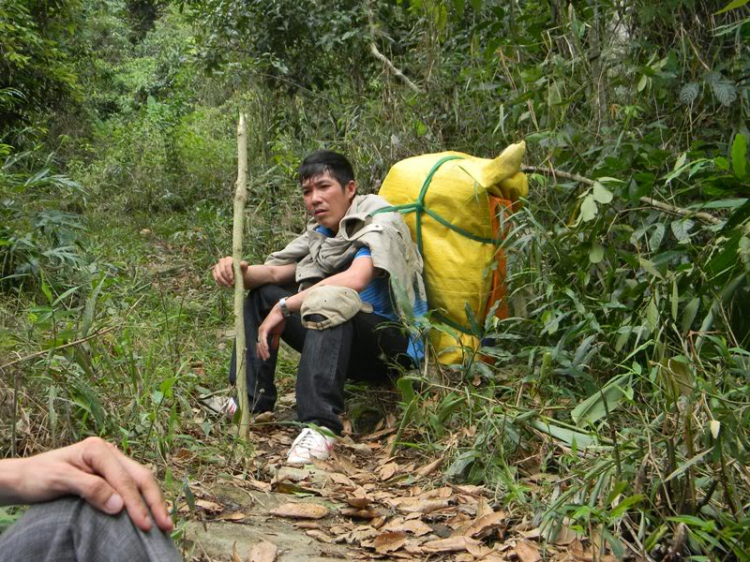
(357, 349)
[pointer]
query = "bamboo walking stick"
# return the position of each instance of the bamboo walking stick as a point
(240, 197)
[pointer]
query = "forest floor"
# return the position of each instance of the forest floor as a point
(363, 503)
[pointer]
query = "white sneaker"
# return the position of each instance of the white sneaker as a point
(310, 444)
(223, 405)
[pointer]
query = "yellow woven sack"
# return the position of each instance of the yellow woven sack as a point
(445, 201)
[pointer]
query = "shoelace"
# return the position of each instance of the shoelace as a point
(307, 441)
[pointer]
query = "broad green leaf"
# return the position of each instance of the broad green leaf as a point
(733, 203)
(744, 250)
(626, 504)
(677, 376)
(681, 230)
(680, 161)
(642, 83)
(689, 93)
(649, 267)
(618, 550)
(725, 92)
(739, 156)
(683, 467)
(596, 406)
(601, 193)
(721, 163)
(459, 6)
(402, 299)
(733, 5)
(570, 437)
(441, 18)
(589, 209)
(654, 241)
(406, 388)
(675, 300)
(652, 314)
(476, 4)
(688, 315)
(471, 317)
(596, 254)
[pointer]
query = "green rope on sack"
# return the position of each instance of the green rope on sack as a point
(419, 208)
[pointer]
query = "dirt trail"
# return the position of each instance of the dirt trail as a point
(362, 504)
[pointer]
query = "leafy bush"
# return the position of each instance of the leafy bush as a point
(41, 225)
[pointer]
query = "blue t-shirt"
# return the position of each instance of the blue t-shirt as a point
(378, 295)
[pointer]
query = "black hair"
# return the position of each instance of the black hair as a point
(322, 161)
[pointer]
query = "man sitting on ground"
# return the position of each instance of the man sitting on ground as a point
(309, 294)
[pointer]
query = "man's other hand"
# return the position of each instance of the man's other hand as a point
(224, 271)
(94, 470)
(271, 329)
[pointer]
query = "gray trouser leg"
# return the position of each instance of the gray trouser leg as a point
(70, 530)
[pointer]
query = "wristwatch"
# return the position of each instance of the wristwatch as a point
(284, 308)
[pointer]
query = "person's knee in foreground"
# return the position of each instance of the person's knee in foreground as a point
(348, 245)
(91, 503)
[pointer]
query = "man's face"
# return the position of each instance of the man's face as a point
(327, 200)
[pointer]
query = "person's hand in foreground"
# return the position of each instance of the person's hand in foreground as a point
(92, 469)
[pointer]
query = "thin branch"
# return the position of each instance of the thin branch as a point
(56, 348)
(240, 198)
(381, 57)
(666, 207)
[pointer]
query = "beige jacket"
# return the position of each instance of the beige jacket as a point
(385, 234)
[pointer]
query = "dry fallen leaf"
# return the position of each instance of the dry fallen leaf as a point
(341, 479)
(442, 493)
(235, 554)
(209, 507)
(319, 535)
(258, 485)
(388, 542)
(307, 524)
(532, 534)
(263, 417)
(388, 470)
(360, 513)
(425, 506)
(484, 526)
(428, 469)
(359, 503)
(527, 552)
(451, 544)
(479, 550)
(459, 520)
(301, 511)
(264, 552)
(483, 508)
(565, 535)
(416, 527)
(232, 516)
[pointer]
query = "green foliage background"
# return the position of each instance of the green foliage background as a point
(625, 364)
